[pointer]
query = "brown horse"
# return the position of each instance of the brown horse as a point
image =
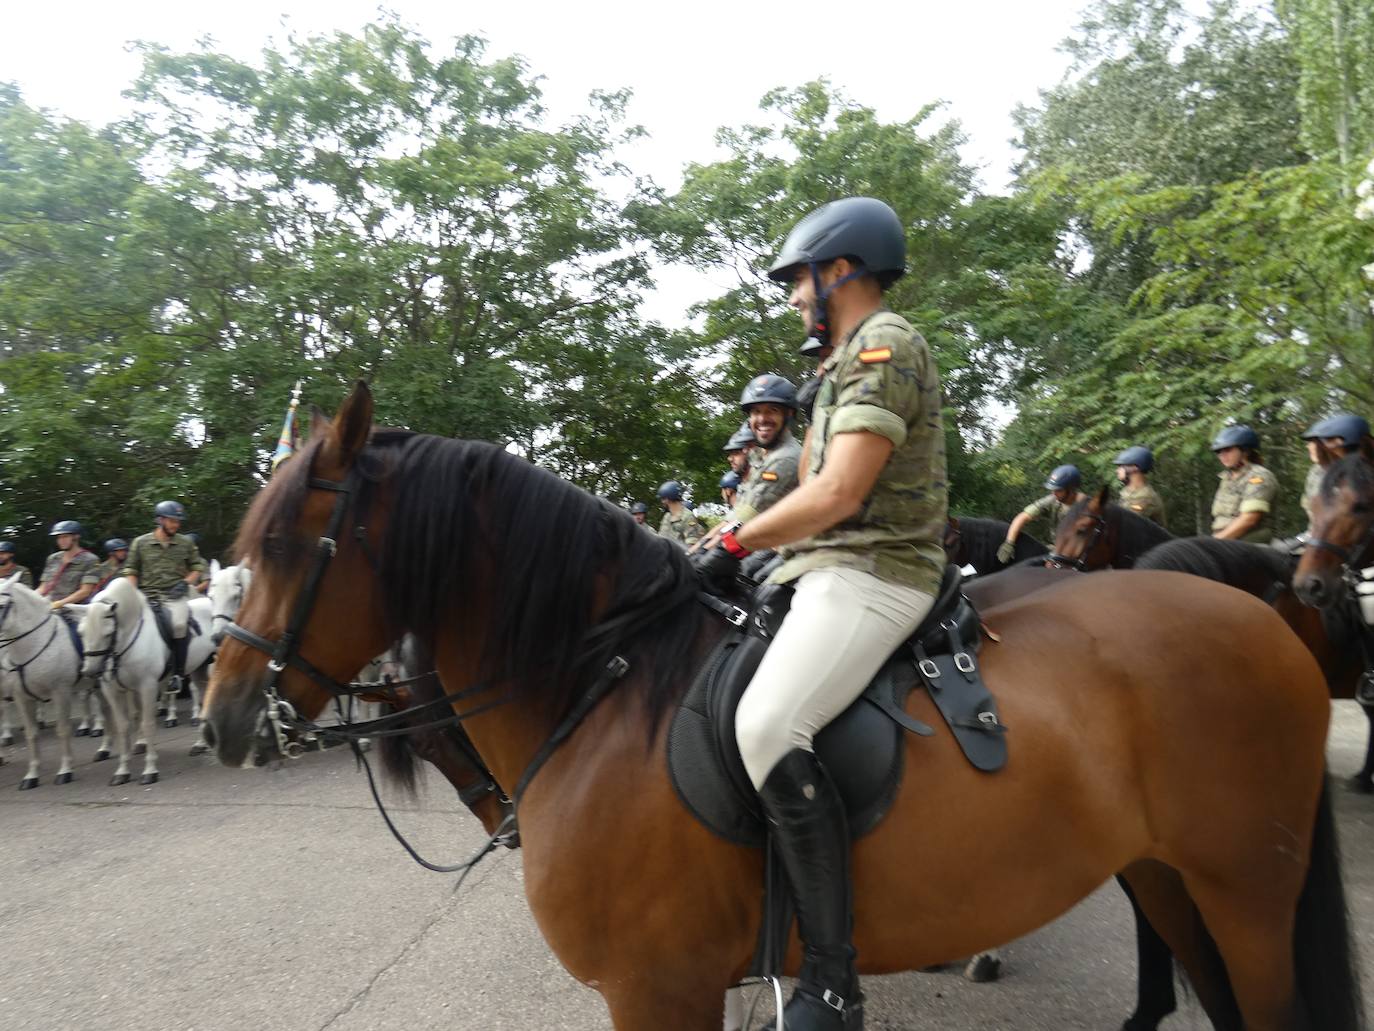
(1095, 533)
(1342, 541)
(1195, 765)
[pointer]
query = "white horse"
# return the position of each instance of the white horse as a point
(40, 661)
(125, 651)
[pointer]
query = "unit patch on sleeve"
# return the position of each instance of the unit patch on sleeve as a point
(874, 355)
(768, 476)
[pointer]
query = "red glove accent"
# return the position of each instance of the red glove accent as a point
(734, 547)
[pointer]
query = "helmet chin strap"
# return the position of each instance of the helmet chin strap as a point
(821, 317)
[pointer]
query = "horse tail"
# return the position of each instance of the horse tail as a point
(1328, 985)
(399, 761)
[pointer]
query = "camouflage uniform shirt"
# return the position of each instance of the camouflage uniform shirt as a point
(67, 571)
(108, 570)
(25, 577)
(1143, 501)
(772, 476)
(686, 528)
(1048, 507)
(160, 566)
(1251, 488)
(882, 380)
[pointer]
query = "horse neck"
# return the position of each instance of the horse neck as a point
(30, 622)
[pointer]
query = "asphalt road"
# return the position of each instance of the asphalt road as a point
(231, 900)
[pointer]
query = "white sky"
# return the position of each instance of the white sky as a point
(692, 68)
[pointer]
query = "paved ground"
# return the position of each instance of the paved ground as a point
(230, 900)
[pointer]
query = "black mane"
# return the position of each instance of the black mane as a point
(982, 537)
(1135, 535)
(546, 554)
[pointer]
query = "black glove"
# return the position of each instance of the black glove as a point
(716, 569)
(178, 590)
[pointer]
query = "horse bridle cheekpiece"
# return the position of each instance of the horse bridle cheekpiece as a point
(1058, 561)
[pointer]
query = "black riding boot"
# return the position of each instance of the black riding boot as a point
(807, 820)
(180, 646)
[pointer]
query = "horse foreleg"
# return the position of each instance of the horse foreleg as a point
(64, 735)
(96, 701)
(1155, 998)
(28, 715)
(120, 700)
(1363, 782)
(7, 707)
(149, 728)
(639, 1008)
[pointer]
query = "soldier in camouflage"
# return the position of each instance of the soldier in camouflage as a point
(9, 567)
(729, 487)
(116, 554)
(681, 523)
(1329, 440)
(639, 512)
(70, 574)
(738, 450)
(1063, 486)
(861, 536)
(164, 565)
(1243, 505)
(1133, 468)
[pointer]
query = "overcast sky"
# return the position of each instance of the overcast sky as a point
(692, 67)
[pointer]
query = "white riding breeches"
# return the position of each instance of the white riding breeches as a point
(179, 615)
(841, 628)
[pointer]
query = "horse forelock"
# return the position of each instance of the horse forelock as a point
(1355, 472)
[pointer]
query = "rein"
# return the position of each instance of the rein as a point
(111, 657)
(279, 716)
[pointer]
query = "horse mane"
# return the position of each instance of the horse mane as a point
(117, 590)
(1248, 567)
(982, 537)
(1135, 534)
(548, 555)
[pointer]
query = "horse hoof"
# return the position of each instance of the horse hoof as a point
(148, 778)
(83, 731)
(169, 724)
(63, 778)
(6, 741)
(102, 754)
(28, 782)
(314, 745)
(97, 732)
(982, 969)
(118, 779)
(199, 749)
(1362, 785)
(140, 748)
(195, 721)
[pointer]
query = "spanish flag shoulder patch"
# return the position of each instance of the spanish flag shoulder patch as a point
(1257, 479)
(768, 476)
(874, 355)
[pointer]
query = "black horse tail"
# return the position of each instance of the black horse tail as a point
(1328, 983)
(399, 761)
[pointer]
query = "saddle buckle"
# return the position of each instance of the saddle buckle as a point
(928, 669)
(989, 719)
(737, 616)
(331, 544)
(963, 662)
(617, 667)
(832, 1000)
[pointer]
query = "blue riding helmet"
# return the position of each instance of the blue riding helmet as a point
(768, 389)
(730, 481)
(65, 526)
(670, 491)
(1239, 435)
(853, 227)
(169, 510)
(1066, 477)
(8, 546)
(1349, 429)
(116, 544)
(1311, 432)
(741, 439)
(1139, 456)
(639, 508)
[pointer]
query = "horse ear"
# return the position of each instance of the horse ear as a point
(348, 433)
(1104, 497)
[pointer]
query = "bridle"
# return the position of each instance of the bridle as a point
(110, 656)
(236, 603)
(19, 668)
(280, 718)
(1054, 560)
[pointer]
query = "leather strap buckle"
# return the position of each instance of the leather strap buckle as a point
(963, 662)
(833, 1001)
(928, 669)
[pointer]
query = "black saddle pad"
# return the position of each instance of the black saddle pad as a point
(863, 748)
